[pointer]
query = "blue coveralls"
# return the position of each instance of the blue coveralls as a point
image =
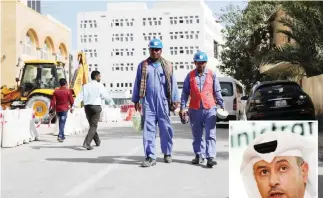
(202, 117)
(155, 108)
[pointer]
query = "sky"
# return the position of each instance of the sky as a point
(66, 11)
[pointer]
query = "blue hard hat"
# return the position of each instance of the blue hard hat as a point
(155, 43)
(200, 57)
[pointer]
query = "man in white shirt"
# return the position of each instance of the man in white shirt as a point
(277, 164)
(92, 95)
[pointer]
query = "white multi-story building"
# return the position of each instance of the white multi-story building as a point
(116, 40)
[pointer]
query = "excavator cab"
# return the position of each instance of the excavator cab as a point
(38, 81)
(40, 75)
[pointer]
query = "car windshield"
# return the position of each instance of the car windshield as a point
(227, 88)
(277, 89)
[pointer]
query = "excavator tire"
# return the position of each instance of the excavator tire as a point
(40, 104)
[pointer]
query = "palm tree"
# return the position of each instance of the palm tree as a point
(304, 19)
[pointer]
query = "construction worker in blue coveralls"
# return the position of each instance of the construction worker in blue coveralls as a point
(155, 88)
(203, 87)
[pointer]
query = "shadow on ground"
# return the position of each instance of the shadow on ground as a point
(77, 148)
(219, 155)
(222, 126)
(127, 160)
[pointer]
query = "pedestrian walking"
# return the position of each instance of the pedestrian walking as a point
(155, 90)
(203, 88)
(61, 102)
(92, 95)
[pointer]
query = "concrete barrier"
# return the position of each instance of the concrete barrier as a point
(110, 114)
(17, 127)
(76, 122)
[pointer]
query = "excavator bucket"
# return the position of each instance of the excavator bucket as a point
(81, 75)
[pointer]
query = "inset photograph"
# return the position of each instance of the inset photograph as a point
(270, 159)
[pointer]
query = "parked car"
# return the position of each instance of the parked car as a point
(278, 100)
(232, 91)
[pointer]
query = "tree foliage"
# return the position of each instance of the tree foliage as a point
(246, 34)
(304, 20)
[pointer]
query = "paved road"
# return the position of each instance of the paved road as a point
(56, 170)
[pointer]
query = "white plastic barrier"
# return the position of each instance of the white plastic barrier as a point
(17, 127)
(76, 122)
(110, 114)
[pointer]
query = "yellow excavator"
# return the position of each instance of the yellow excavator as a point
(37, 82)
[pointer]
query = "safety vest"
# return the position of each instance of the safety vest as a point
(206, 95)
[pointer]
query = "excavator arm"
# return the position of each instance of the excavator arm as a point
(81, 75)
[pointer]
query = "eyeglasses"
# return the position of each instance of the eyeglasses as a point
(200, 63)
(155, 49)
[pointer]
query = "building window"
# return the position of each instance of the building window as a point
(28, 45)
(59, 55)
(45, 52)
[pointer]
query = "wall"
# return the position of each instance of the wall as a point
(314, 87)
(8, 45)
(16, 20)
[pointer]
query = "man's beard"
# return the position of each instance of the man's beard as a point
(98, 80)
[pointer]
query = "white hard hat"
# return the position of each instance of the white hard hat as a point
(269, 145)
(222, 114)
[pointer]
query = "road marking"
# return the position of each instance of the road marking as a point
(90, 182)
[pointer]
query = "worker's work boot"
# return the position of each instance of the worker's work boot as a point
(148, 162)
(198, 160)
(167, 158)
(210, 162)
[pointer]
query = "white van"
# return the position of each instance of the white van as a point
(232, 91)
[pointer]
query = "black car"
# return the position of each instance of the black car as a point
(278, 100)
